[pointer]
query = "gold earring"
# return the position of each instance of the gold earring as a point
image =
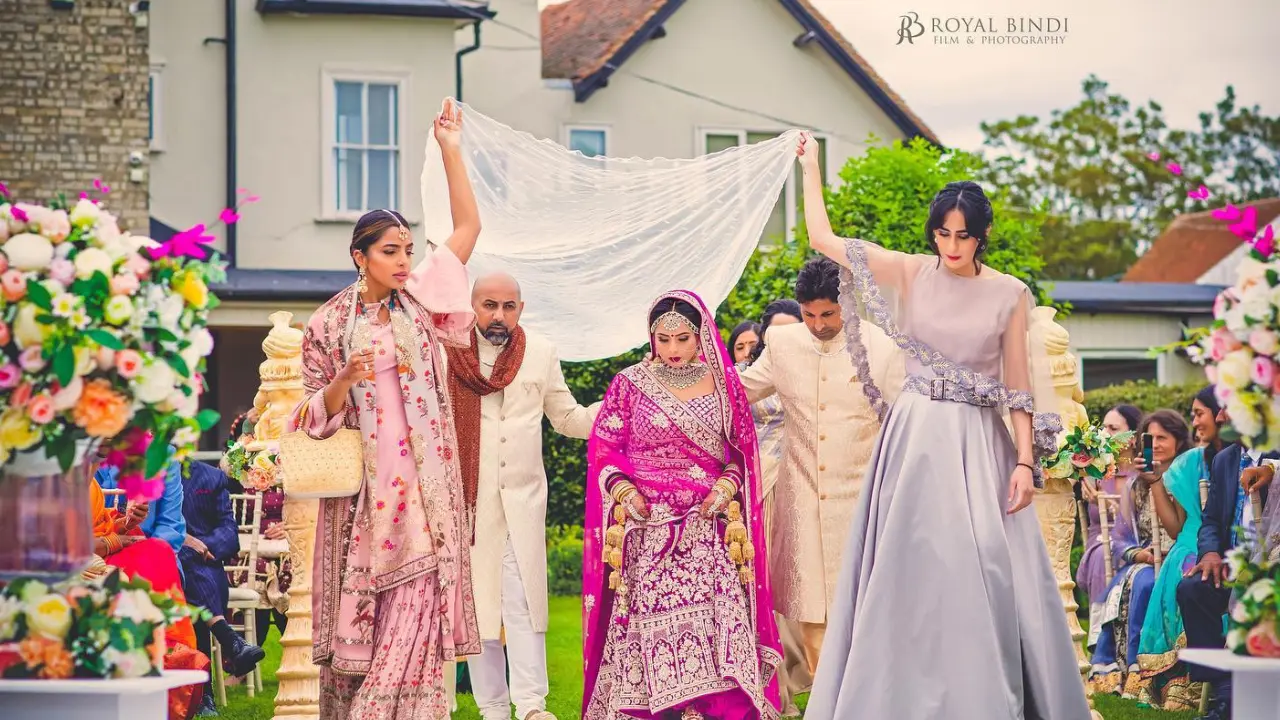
(362, 284)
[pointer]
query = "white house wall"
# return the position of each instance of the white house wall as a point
(1100, 335)
(738, 52)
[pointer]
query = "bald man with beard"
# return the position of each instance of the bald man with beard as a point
(501, 387)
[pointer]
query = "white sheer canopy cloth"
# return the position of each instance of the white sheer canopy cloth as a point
(593, 240)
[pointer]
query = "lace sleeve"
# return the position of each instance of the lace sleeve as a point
(1026, 377)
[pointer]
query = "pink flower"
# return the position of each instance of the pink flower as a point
(1275, 385)
(1220, 305)
(140, 489)
(19, 214)
(4, 333)
(1211, 374)
(4, 259)
(136, 442)
(40, 409)
(14, 284)
(10, 374)
(1264, 371)
(1247, 228)
(1265, 244)
(4, 190)
(105, 357)
(128, 362)
(1262, 641)
(1153, 156)
(1230, 213)
(1174, 168)
(228, 216)
(31, 360)
(21, 395)
(124, 284)
(1264, 342)
(1221, 342)
(101, 186)
(62, 270)
(1081, 459)
(188, 243)
(137, 265)
(1201, 193)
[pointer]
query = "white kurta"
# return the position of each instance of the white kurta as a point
(511, 496)
(829, 430)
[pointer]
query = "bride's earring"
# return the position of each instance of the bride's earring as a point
(362, 284)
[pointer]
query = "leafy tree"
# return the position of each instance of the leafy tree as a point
(1106, 199)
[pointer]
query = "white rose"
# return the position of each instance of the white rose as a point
(108, 229)
(12, 226)
(136, 605)
(170, 311)
(1239, 613)
(29, 251)
(154, 382)
(33, 591)
(1236, 558)
(85, 213)
(1235, 639)
(182, 404)
(27, 332)
(1243, 417)
(136, 243)
(50, 616)
(202, 340)
(1250, 270)
(1261, 590)
(1256, 302)
(91, 260)
(1235, 369)
(186, 435)
(127, 664)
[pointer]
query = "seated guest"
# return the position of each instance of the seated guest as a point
(164, 520)
(119, 543)
(1179, 506)
(1201, 595)
(211, 541)
(273, 559)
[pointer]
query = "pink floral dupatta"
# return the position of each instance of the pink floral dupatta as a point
(435, 307)
(738, 430)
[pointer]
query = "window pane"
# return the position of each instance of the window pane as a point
(716, 143)
(588, 142)
(1104, 372)
(352, 179)
(380, 181)
(755, 137)
(347, 99)
(775, 229)
(382, 107)
(339, 177)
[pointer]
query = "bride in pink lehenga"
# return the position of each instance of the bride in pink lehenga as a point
(392, 579)
(682, 623)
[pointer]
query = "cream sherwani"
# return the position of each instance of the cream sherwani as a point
(509, 557)
(829, 430)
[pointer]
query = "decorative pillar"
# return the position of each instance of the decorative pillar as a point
(1056, 503)
(280, 392)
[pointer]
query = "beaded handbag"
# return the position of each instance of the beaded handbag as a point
(328, 468)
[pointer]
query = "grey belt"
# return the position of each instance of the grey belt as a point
(937, 388)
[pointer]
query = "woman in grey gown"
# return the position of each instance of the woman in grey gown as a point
(947, 606)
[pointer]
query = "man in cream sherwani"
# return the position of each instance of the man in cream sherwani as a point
(829, 430)
(519, 381)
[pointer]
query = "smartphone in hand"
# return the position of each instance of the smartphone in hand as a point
(1148, 459)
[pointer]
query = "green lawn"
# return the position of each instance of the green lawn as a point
(564, 657)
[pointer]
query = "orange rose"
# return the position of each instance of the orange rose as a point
(32, 650)
(58, 662)
(101, 411)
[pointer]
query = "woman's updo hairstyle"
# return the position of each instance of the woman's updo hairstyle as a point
(684, 308)
(967, 197)
(370, 227)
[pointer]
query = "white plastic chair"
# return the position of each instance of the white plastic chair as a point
(245, 593)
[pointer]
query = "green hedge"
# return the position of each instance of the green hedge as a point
(1146, 396)
(564, 560)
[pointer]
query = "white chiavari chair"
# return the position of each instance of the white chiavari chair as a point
(246, 594)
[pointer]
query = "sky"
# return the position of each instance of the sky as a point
(1180, 53)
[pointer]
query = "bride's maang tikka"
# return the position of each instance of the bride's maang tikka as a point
(404, 231)
(671, 321)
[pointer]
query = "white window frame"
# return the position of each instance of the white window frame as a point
(791, 193)
(331, 74)
(155, 77)
(566, 133)
(1162, 361)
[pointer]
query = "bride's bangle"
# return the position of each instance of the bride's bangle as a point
(1028, 466)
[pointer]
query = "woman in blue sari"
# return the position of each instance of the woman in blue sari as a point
(1166, 678)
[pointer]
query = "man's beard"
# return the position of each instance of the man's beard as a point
(497, 333)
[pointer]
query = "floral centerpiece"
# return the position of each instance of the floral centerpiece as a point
(103, 338)
(1241, 348)
(112, 627)
(1253, 626)
(251, 468)
(1087, 452)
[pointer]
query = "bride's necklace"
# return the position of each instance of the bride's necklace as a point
(682, 377)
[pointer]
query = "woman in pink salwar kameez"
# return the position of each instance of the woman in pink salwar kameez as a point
(391, 598)
(678, 617)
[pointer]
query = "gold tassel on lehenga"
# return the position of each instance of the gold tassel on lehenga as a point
(741, 551)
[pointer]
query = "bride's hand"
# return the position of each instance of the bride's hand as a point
(638, 507)
(448, 125)
(1022, 488)
(807, 153)
(714, 503)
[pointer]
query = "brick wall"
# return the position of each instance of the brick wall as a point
(73, 102)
